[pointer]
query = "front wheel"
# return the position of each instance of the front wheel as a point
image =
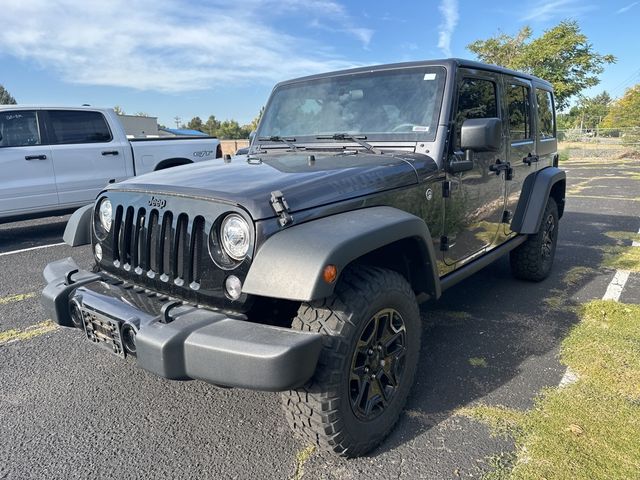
(365, 372)
(534, 258)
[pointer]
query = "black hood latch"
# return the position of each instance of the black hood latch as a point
(281, 207)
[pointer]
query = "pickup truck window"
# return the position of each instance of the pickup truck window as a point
(519, 112)
(476, 99)
(389, 104)
(546, 118)
(19, 128)
(78, 127)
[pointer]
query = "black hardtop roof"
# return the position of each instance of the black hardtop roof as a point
(449, 63)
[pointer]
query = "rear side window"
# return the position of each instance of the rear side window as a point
(546, 116)
(519, 112)
(476, 99)
(78, 127)
(19, 129)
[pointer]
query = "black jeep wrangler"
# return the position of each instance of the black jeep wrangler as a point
(299, 266)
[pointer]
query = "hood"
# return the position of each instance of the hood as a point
(248, 182)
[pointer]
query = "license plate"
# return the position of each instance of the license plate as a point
(103, 331)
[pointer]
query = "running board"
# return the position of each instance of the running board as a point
(466, 271)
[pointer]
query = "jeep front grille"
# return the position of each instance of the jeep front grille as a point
(159, 244)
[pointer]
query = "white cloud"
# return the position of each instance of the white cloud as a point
(626, 8)
(168, 45)
(449, 10)
(547, 9)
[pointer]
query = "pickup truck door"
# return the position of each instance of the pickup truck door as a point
(27, 180)
(86, 155)
(475, 203)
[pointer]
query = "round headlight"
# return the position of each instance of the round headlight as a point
(235, 236)
(105, 212)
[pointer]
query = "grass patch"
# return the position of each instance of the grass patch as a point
(458, 315)
(622, 258)
(624, 236)
(574, 276)
(478, 362)
(557, 300)
(563, 156)
(589, 429)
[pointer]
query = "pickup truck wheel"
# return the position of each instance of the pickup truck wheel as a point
(534, 258)
(365, 372)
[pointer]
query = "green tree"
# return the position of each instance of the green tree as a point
(231, 130)
(119, 110)
(6, 98)
(196, 124)
(592, 110)
(587, 113)
(625, 112)
(142, 114)
(503, 50)
(212, 126)
(562, 55)
(254, 123)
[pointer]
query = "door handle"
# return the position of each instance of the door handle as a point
(499, 166)
(529, 159)
(110, 152)
(35, 157)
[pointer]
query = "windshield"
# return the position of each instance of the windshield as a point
(402, 104)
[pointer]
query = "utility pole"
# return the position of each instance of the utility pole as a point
(177, 120)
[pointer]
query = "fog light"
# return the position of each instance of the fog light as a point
(233, 285)
(98, 251)
(129, 339)
(76, 314)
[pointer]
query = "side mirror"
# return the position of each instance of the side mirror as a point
(481, 135)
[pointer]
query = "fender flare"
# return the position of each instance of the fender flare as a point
(536, 190)
(290, 263)
(78, 229)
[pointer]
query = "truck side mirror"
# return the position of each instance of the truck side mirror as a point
(481, 135)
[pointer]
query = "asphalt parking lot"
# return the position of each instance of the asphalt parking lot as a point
(69, 410)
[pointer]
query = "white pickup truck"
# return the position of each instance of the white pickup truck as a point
(54, 159)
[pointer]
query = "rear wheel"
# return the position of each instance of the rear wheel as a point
(365, 372)
(534, 258)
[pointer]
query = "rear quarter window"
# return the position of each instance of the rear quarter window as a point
(19, 128)
(546, 114)
(519, 112)
(70, 126)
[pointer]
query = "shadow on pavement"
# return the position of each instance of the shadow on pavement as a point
(490, 329)
(31, 233)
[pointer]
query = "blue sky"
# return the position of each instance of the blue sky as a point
(185, 58)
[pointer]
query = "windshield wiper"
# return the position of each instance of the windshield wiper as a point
(276, 138)
(360, 140)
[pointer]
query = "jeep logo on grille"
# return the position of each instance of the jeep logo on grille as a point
(157, 202)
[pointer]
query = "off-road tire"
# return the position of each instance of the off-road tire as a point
(529, 261)
(321, 412)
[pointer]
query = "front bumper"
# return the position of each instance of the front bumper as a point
(182, 342)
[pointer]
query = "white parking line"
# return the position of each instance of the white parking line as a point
(32, 248)
(636, 243)
(614, 290)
